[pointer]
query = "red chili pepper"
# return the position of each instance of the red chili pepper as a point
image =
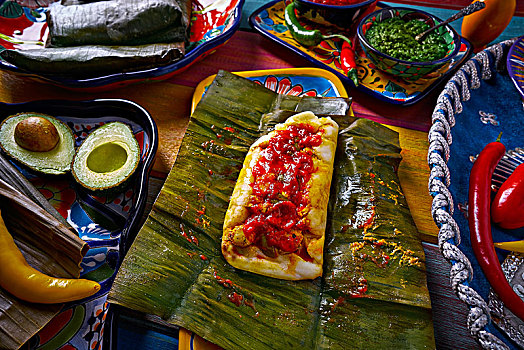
(507, 209)
(314, 37)
(480, 226)
(348, 61)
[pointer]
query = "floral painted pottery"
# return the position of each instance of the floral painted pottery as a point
(106, 222)
(400, 68)
(268, 20)
(515, 64)
(341, 16)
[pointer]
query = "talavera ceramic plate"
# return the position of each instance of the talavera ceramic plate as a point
(106, 223)
(515, 63)
(213, 22)
(268, 20)
(477, 104)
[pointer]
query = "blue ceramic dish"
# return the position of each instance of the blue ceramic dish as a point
(477, 104)
(107, 223)
(400, 68)
(341, 16)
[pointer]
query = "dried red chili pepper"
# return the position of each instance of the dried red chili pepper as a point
(480, 226)
(507, 209)
(348, 61)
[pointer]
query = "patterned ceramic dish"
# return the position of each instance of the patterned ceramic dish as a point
(106, 223)
(400, 68)
(213, 23)
(477, 104)
(128, 327)
(342, 16)
(268, 20)
(515, 63)
(286, 81)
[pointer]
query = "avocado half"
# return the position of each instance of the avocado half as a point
(107, 157)
(56, 161)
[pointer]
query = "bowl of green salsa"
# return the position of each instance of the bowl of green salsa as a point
(388, 39)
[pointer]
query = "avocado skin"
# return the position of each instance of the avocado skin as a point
(56, 161)
(106, 182)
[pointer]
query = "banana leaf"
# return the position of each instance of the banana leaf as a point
(373, 235)
(175, 268)
(13, 177)
(90, 60)
(47, 245)
(119, 22)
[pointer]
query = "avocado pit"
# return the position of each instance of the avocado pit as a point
(38, 141)
(36, 134)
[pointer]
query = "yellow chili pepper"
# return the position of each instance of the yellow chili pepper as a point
(26, 283)
(514, 246)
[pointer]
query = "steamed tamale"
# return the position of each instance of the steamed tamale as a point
(90, 60)
(175, 268)
(119, 22)
(94, 38)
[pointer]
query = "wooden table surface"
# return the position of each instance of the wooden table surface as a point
(169, 104)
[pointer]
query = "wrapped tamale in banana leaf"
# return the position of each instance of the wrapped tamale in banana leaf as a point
(90, 60)
(175, 268)
(119, 22)
(373, 236)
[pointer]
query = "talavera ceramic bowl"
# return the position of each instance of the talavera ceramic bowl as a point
(408, 70)
(342, 16)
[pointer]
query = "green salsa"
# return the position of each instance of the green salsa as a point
(396, 38)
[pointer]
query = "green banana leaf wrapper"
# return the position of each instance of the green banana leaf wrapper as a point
(119, 22)
(91, 60)
(373, 292)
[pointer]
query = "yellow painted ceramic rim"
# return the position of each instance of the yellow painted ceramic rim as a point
(314, 72)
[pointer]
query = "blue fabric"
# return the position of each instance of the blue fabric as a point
(470, 135)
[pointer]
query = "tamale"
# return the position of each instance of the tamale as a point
(89, 61)
(175, 268)
(119, 22)
(375, 251)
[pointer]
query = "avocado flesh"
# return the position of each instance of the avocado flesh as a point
(57, 161)
(107, 157)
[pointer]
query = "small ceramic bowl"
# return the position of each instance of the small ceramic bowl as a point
(341, 16)
(407, 70)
